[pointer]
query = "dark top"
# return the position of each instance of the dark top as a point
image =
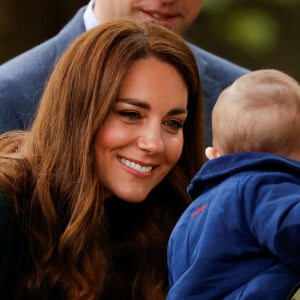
(7, 248)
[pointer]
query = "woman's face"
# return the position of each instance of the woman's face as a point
(142, 137)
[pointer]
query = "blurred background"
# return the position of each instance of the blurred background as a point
(255, 34)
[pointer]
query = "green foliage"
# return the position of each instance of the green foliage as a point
(247, 26)
(214, 6)
(253, 31)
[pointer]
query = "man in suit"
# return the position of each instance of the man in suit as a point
(23, 78)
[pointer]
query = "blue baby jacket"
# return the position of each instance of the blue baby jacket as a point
(240, 237)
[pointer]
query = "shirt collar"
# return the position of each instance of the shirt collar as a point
(89, 19)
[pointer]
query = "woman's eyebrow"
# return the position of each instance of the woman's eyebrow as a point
(135, 102)
(144, 105)
(177, 111)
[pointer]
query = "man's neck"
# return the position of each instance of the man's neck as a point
(89, 17)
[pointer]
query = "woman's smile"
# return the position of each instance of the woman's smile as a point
(141, 168)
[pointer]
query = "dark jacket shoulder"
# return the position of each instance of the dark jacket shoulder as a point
(22, 79)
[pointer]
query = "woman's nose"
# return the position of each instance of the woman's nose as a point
(151, 141)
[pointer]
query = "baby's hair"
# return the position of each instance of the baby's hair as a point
(260, 112)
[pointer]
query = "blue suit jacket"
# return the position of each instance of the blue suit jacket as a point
(23, 78)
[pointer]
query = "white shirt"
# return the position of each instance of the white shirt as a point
(89, 19)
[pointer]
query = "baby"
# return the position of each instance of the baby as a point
(239, 239)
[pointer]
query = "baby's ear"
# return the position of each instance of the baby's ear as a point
(211, 153)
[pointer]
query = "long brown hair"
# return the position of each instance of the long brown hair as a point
(80, 246)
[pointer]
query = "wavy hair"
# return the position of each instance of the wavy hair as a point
(78, 245)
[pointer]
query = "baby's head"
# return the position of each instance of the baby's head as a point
(259, 112)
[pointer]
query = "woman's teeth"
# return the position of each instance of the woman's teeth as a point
(135, 166)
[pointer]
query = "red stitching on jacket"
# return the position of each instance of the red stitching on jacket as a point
(199, 210)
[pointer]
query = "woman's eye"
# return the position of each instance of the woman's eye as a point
(129, 114)
(174, 124)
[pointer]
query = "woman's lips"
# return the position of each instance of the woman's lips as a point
(144, 169)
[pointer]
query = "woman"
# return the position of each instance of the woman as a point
(91, 192)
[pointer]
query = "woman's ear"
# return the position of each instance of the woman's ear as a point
(211, 153)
